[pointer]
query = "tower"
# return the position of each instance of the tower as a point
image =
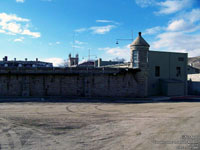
(139, 52)
(139, 59)
(73, 61)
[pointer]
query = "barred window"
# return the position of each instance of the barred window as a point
(135, 59)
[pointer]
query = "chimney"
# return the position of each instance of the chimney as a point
(5, 58)
(99, 62)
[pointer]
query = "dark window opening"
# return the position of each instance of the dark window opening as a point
(157, 71)
(178, 71)
(135, 59)
(180, 59)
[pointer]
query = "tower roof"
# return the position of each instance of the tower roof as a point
(139, 41)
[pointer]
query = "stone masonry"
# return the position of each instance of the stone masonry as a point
(66, 82)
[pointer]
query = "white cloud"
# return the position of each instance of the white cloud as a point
(2, 31)
(20, 1)
(79, 42)
(186, 22)
(181, 34)
(178, 25)
(172, 6)
(80, 30)
(104, 21)
(77, 46)
(121, 52)
(12, 24)
(166, 6)
(54, 43)
(145, 3)
(192, 16)
(33, 34)
(12, 17)
(99, 29)
(153, 30)
(56, 61)
(12, 27)
(19, 39)
(178, 42)
(102, 29)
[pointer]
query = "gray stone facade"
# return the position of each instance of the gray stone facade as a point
(150, 73)
(71, 82)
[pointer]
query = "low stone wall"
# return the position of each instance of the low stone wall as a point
(83, 82)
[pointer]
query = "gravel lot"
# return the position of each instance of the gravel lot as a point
(94, 126)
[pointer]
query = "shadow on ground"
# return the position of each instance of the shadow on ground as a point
(95, 100)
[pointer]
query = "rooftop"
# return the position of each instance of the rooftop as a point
(139, 41)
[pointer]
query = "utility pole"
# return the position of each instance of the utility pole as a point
(88, 54)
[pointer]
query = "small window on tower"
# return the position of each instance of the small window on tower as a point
(135, 59)
(157, 71)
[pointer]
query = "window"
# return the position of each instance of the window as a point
(180, 59)
(178, 71)
(135, 59)
(157, 71)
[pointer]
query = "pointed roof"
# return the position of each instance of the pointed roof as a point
(139, 41)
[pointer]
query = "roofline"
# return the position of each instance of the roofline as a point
(141, 45)
(167, 52)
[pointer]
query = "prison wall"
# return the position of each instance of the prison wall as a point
(65, 82)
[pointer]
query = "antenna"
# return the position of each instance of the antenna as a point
(132, 34)
(73, 53)
(88, 54)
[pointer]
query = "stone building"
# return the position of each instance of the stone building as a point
(149, 73)
(165, 73)
(26, 63)
(73, 61)
(103, 63)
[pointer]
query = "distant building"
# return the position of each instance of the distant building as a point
(26, 63)
(193, 70)
(73, 61)
(101, 63)
(89, 63)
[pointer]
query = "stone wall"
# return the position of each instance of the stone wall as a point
(84, 82)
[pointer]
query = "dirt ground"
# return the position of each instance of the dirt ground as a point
(94, 126)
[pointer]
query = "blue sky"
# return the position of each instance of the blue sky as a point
(51, 29)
